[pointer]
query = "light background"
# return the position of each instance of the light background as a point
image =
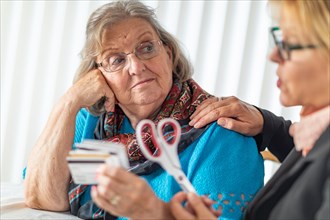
(227, 42)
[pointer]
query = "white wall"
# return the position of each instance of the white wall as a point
(227, 42)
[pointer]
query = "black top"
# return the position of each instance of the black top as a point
(275, 135)
(300, 189)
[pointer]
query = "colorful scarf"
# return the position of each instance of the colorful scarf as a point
(180, 103)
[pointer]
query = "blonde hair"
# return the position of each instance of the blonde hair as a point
(115, 12)
(314, 18)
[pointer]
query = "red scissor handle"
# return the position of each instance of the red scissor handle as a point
(157, 137)
(176, 129)
(154, 138)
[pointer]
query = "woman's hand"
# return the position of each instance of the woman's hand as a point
(90, 89)
(122, 193)
(230, 113)
(196, 208)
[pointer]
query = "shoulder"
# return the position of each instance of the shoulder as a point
(228, 150)
(218, 136)
(218, 145)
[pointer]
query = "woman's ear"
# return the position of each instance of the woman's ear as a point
(169, 51)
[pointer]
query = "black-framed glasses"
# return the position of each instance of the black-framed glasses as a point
(285, 48)
(143, 51)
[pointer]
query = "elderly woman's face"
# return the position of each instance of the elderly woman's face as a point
(140, 81)
(304, 79)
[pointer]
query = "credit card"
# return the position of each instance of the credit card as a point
(90, 154)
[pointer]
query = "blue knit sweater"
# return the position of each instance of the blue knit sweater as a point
(220, 163)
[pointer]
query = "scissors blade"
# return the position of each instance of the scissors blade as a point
(172, 158)
(182, 180)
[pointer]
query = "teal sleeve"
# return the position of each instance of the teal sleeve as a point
(85, 126)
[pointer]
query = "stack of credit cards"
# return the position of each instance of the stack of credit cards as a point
(90, 154)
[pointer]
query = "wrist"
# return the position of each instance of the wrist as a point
(70, 102)
(163, 211)
(157, 210)
(261, 120)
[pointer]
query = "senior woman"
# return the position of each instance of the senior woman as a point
(301, 187)
(133, 69)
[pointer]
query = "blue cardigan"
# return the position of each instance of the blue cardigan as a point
(220, 163)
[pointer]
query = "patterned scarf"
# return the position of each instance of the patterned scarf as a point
(180, 103)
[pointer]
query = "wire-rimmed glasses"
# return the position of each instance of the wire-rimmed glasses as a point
(285, 48)
(144, 51)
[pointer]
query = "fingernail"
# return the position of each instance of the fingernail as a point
(210, 200)
(197, 125)
(192, 196)
(222, 122)
(191, 123)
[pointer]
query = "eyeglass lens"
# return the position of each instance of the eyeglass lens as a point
(282, 47)
(144, 51)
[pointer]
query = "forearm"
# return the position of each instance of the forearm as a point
(158, 210)
(47, 174)
(163, 211)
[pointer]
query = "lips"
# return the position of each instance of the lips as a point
(279, 81)
(142, 82)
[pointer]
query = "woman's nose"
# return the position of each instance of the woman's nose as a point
(136, 66)
(275, 56)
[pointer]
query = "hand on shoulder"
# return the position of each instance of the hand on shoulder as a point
(231, 113)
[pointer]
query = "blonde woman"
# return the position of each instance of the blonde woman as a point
(301, 187)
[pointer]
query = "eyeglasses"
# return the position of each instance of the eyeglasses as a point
(143, 51)
(285, 48)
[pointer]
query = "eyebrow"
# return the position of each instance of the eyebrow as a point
(290, 31)
(116, 48)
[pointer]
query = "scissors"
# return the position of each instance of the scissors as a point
(166, 153)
